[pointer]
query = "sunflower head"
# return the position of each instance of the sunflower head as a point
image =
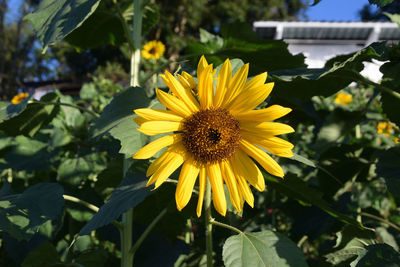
(343, 99)
(216, 134)
(19, 98)
(153, 50)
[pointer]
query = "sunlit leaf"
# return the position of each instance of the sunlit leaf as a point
(266, 248)
(377, 255)
(53, 20)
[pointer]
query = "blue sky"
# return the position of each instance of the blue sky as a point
(336, 10)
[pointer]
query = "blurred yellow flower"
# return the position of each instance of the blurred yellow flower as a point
(343, 99)
(385, 128)
(215, 134)
(153, 50)
(19, 98)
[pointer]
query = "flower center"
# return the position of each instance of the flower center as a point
(211, 135)
(152, 50)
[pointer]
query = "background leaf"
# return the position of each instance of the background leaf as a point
(388, 168)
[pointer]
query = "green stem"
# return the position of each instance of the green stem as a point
(227, 226)
(208, 219)
(89, 206)
(124, 26)
(381, 220)
(126, 239)
(127, 217)
(147, 231)
(69, 105)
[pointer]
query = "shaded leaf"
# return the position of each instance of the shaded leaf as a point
(296, 188)
(120, 109)
(101, 28)
(44, 255)
(388, 168)
(96, 258)
(27, 154)
(377, 255)
(32, 118)
(53, 20)
(338, 73)
(266, 248)
(8, 110)
(22, 214)
(128, 194)
(380, 3)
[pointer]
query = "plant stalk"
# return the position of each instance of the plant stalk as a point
(127, 217)
(208, 218)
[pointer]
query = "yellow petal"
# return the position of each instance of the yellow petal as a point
(186, 181)
(265, 129)
(224, 77)
(243, 187)
(248, 170)
(139, 120)
(157, 114)
(262, 157)
(158, 127)
(187, 80)
(230, 180)
(218, 194)
(260, 115)
(178, 90)
(274, 145)
(250, 98)
(152, 148)
(155, 165)
(202, 187)
(205, 87)
(256, 81)
(236, 84)
(166, 170)
(202, 65)
(173, 103)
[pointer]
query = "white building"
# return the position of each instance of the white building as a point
(320, 41)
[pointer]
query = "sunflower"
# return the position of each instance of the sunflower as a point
(153, 50)
(19, 98)
(216, 135)
(343, 99)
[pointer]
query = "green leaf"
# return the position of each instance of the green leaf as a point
(315, 2)
(240, 41)
(338, 73)
(44, 255)
(53, 20)
(303, 160)
(101, 28)
(8, 110)
(74, 171)
(128, 194)
(32, 118)
(337, 124)
(393, 17)
(377, 255)
(21, 215)
(350, 243)
(119, 110)
(95, 258)
(380, 3)
(266, 248)
(27, 154)
(151, 16)
(388, 168)
(296, 188)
